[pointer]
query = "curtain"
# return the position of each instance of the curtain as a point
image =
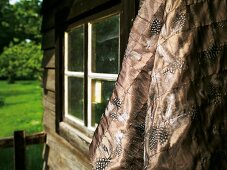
(168, 110)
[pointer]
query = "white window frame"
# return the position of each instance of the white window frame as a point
(91, 75)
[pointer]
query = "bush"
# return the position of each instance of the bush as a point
(21, 61)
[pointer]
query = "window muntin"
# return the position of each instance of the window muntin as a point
(103, 44)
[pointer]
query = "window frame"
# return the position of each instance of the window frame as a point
(87, 74)
(72, 132)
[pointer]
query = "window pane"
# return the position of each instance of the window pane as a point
(75, 97)
(105, 45)
(101, 92)
(76, 49)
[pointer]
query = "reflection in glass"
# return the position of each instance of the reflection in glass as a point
(75, 97)
(101, 92)
(105, 45)
(76, 49)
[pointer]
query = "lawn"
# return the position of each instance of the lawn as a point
(22, 109)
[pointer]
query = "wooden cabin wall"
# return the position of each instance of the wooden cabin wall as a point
(59, 154)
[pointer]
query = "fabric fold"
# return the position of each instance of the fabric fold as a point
(168, 108)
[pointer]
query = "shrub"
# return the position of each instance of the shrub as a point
(21, 61)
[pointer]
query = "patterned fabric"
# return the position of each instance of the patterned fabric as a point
(168, 110)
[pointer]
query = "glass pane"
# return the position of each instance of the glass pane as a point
(105, 45)
(101, 92)
(76, 49)
(75, 97)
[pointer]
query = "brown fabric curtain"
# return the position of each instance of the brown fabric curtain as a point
(168, 110)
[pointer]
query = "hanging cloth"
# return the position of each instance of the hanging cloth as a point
(168, 110)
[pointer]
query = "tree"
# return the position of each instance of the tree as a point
(20, 52)
(21, 61)
(19, 22)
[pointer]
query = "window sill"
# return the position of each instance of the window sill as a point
(75, 137)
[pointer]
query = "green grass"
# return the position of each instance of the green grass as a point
(22, 109)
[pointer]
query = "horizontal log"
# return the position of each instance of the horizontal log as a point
(62, 155)
(49, 5)
(75, 137)
(49, 96)
(36, 138)
(6, 142)
(48, 40)
(83, 6)
(48, 21)
(49, 79)
(49, 105)
(48, 58)
(49, 120)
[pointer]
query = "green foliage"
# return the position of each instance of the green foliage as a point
(19, 22)
(21, 61)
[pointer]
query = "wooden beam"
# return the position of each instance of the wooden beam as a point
(6, 142)
(48, 40)
(86, 75)
(19, 150)
(59, 65)
(129, 10)
(37, 138)
(48, 60)
(49, 79)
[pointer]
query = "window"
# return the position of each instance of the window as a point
(92, 59)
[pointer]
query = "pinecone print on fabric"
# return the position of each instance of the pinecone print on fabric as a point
(156, 26)
(174, 66)
(211, 53)
(118, 143)
(179, 21)
(105, 149)
(214, 94)
(221, 25)
(157, 135)
(102, 163)
(140, 128)
(194, 112)
(117, 102)
(118, 150)
(114, 116)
